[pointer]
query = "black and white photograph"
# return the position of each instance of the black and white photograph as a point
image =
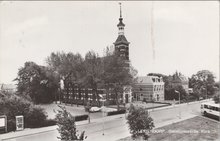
(109, 70)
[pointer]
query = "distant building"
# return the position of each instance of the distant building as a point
(149, 88)
(10, 88)
(179, 79)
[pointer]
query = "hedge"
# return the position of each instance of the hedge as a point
(81, 117)
(50, 122)
(116, 112)
(35, 118)
(13, 105)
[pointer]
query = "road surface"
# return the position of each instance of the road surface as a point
(117, 128)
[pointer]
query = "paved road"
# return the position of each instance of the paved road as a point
(117, 128)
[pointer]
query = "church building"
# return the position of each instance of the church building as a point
(122, 49)
(75, 95)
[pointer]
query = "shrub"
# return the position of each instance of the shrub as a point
(67, 127)
(116, 112)
(216, 97)
(36, 117)
(140, 123)
(13, 105)
(81, 117)
(49, 122)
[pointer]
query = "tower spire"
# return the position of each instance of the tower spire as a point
(120, 25)
(120, 10)
(121, 43)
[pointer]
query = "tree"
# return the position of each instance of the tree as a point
(217, 85)
(67, 126)
(171, 93)
(109, 71)
(66, 64)
(216, 97)
(93, 72)
(68, 67)
(36, 83)
(203, 83)
(117, 74)
(139, 121)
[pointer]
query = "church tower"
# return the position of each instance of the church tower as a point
(121, 43)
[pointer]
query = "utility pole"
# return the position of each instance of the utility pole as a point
(103, 122)
(179, 103)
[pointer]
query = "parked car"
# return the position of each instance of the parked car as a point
(94, 109)
(107, 109)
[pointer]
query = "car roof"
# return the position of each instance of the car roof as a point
(212, 104)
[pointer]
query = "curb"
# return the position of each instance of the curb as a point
(172, 106)
(33, 131)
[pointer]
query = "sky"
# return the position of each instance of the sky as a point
(164, 36)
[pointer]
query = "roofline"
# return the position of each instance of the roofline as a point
(127, 43)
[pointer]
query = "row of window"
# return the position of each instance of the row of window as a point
(212, 108)
(76, 93)
(82, 95)
(89, 98)
(82, 90)
(158, 88)
(157, 80)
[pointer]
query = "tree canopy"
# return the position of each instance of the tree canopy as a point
(67, 127)
(203, 83)
(41, 83)
(139, 121)
(36, 83)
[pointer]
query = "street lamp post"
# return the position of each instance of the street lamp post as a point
(206, 92)
(179, 103)
(61, 88)
(103, 122)
(88, 108)
(153, 100)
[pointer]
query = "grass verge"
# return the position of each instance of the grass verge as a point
(194, 129)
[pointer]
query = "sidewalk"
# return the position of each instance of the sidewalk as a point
(177, 105)
(32, 131)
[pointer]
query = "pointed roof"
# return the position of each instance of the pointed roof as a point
(178, 78)
(121, 40)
